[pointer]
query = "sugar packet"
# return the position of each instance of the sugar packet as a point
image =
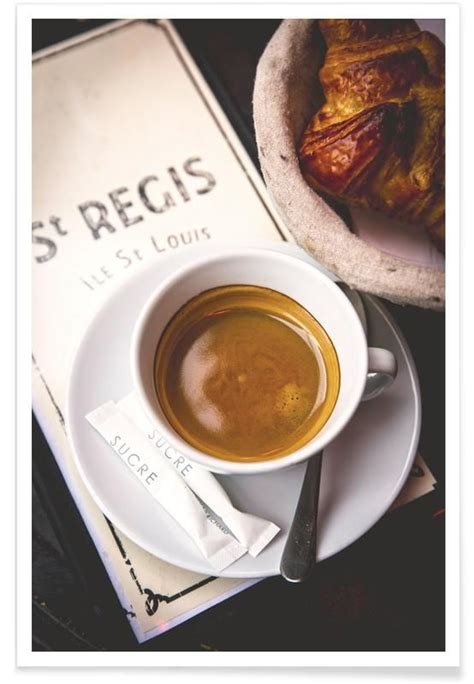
(251, 531)
(190, 494)
(162, 481)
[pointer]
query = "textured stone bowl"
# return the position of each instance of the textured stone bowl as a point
(286, 94)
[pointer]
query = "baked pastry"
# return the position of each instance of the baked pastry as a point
(378, 140)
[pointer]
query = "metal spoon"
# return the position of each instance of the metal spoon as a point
(299, 555)
(376, 381)
(356, 300)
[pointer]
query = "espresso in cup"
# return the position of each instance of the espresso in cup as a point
(245, 373)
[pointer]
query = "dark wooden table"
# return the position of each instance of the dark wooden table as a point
(383, 593)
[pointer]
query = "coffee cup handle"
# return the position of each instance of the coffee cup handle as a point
(381, 373)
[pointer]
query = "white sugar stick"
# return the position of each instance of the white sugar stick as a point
(165, 485)
(253, 532)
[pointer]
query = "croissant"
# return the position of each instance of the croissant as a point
(378, 141)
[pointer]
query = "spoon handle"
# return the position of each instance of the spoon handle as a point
(299, 554)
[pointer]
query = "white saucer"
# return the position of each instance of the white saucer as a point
(363, 470)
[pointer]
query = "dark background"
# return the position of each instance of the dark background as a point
(385, 592)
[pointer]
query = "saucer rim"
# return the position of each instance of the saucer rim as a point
(229, 573)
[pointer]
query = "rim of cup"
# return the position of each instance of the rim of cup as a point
(220, 465)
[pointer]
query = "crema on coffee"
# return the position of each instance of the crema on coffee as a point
(245, 373)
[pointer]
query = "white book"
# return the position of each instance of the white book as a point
(133, 159)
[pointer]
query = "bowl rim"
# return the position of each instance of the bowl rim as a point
(278, 109)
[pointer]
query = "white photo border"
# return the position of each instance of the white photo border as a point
(25, 656)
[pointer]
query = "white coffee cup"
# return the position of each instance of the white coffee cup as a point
(291, 276)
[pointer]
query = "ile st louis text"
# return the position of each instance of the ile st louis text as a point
(154, 194)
